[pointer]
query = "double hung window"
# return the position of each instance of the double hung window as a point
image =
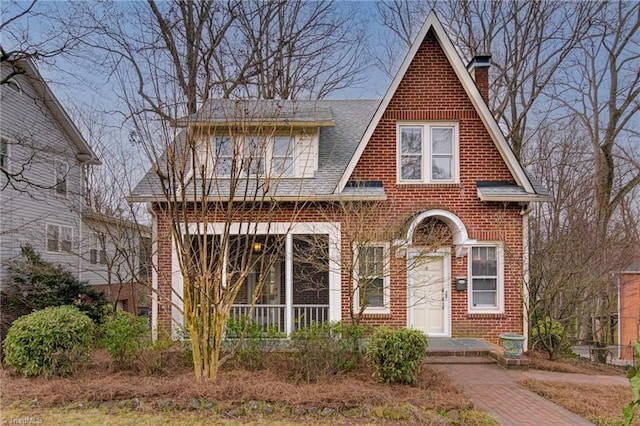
(373, 285)
(59, 238)
(4, 154)
(428, 153)
(254, 155)
(486, 279)
(61, 170)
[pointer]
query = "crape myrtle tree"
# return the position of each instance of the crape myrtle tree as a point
(170, 60)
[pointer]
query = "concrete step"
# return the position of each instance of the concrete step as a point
(435, 359)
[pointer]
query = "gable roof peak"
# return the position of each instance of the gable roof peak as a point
(432, 23)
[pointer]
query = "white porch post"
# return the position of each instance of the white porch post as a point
(288, 285)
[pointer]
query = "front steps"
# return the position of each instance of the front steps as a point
(442, 350)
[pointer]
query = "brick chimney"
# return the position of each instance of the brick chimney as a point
(479, 70)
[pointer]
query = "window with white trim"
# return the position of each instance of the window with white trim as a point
(98, 254)
(61, 170)
(254, 155)
(428, 153)
(4, 154)
(372, 278)
(283, 159)
(59, 238)
(485, 271)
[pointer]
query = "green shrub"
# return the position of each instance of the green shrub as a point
(125, 336)
(549, 335)
(396, 354)
(255, 341)
(325, 349)
(52, 341)
(36, 284)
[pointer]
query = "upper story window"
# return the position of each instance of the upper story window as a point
(372, 278)
(61, 170)
(428, 153)
(4, 154)
(59, 238)
(486, 286)
(254, 155)
(98, 254)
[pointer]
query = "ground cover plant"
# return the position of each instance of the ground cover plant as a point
(599, 404)
(539, 361)
(269, 393)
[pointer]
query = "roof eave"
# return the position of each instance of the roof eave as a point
(61, 115)
(275, 123)
(309, 198)
(514, 198)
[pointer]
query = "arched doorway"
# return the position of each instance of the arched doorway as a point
(431, 238)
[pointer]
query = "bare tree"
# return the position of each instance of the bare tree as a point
(213, 163)
(529, 43)
(56, 34)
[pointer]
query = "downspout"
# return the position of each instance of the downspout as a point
(154, 273)
(525, 273)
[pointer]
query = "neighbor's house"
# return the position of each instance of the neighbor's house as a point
(43, 161)
(43, 158)
(429, 155)
(628, 310)
(117, 260)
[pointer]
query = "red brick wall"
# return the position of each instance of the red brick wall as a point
(629, 311)
(430, 90)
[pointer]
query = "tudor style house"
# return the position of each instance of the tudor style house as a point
(427, 157)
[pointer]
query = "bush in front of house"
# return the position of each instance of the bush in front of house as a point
(125, 336)
(325, 349)
(55, 341)
(396, 354)
(251, 341)
(37, 284)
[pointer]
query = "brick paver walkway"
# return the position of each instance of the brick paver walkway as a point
(495, 390)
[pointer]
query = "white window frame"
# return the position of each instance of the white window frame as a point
(499, 308)
(266, 160)
(59, 240)
(4, 154)
(386, 279)
(290, 154)
(426, 153)
(98, 255)
(64, 180)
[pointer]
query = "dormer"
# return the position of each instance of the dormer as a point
(259, 137)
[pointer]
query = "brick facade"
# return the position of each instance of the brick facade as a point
(429, 91)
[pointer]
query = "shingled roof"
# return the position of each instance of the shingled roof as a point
(342, 124)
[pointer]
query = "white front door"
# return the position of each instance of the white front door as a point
(429, 277)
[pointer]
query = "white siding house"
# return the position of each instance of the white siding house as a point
(42, 158)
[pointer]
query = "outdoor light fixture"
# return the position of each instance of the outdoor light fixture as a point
(461, 283)
(257, 247)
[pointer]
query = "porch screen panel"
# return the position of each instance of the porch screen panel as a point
(310, 279)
